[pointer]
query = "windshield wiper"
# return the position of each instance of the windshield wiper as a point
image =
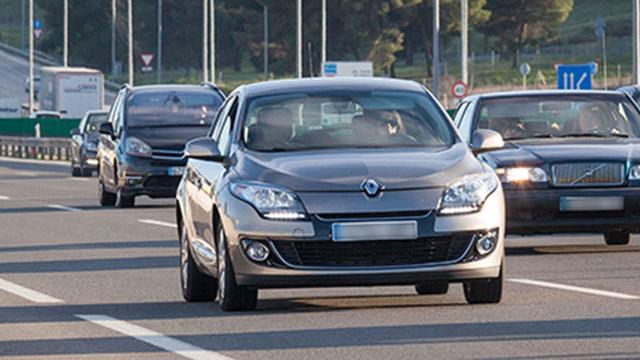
(596, 135)
(539, 136)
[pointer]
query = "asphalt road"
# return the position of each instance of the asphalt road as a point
(79, 281)
(14, 71)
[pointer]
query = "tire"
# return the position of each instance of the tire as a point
(485, 291)
(433, 288)
(231, 297)
(196, 285)
(106, 198)
(617, 238)
(124, 202)
(75, 172)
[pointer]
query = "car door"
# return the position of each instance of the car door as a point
(108, 145)
(201, 178)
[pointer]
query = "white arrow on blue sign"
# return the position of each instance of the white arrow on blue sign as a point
(575, 77)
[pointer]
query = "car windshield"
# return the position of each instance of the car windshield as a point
(345, 119)
(558, 116)
(93, 123)
(172, 108)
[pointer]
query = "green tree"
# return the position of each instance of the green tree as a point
(517, 23)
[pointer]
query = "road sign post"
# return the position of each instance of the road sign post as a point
(601, 33)
(575, 77)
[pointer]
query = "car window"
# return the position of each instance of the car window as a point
(224, 136)
(466, 122)
(460, 113)
(344, 119)
(92, 123)
(525, 117)
(163, 108)
(116, 120)
(222, 113)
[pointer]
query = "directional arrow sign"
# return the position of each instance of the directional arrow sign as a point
(574, 77)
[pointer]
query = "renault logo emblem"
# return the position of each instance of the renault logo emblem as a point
(371, 187)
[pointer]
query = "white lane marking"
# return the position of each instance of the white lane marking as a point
(26, 293)
(2, 197)
(78, 179)
(62, 207)
(159, 223)
(151, 337)
(579, 289)
(34, 161)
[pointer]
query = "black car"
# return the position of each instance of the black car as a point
(570, 160)
(84, 143)
(141, 149)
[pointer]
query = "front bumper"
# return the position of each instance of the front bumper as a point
(537, 211)
(242, 222)
(150, 177)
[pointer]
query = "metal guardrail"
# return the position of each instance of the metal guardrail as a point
(35, 148)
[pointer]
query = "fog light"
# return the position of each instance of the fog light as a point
(134, 180)
(256, 251)
(486, 242)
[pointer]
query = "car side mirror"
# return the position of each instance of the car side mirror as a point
(75, 131)
(486, 140)
(203, 148)
(106, 129)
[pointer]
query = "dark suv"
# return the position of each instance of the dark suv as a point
(142, 143)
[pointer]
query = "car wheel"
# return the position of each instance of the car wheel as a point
(433, 288)
(196, 285)
(123, 201)
(485, 291)
(106, 198)
(75, 171)
(231, 297)
(617, 237)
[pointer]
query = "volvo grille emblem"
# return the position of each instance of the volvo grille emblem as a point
(589, 173)
(371, 187)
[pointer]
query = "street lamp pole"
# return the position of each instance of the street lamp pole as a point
(31, 97)
(324, 33)
(212, 39)
(130, 25)
(205, 41)
(464, 40)
(299, 40)
(65, 46)
(265, 11)
(159, 69)
(114, 13)
(436, 49)
(636, 42)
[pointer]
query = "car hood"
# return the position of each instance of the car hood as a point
(346, 170)
(566, 150)
(170, 137)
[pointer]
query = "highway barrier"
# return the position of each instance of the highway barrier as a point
(35, 148)
(54, 128)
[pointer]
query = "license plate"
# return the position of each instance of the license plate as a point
(383, 230)
(176, 171)
(591, 203)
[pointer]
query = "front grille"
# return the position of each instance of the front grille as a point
(376, 215)
(588, 174)
(332, 254)
(167, 154)
(162, 182)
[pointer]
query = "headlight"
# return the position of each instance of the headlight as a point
(271, 202)
(634, 173)
(522, 174)
(468, 194)
(91, 146)
(137, 147)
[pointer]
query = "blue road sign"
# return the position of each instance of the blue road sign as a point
(575, 77)
(330, 69)
(37, 24)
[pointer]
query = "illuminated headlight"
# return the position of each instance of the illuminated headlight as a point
(137, 147)
(468, 194)
(92, 146)
(522, 174)
(634, 173)
(272, 202)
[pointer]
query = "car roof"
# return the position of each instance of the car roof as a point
(525, 93)
(169, 87)
(97, 112)
(337, 83)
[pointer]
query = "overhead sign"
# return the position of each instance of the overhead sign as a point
(459, 89)
(347, 68)
(147, 58)
(37, 28)
(10, 108)
(575, 77)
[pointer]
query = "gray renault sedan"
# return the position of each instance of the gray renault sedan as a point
(337, 182)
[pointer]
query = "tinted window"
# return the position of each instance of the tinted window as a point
(343, 119)
(93, 123)
(172, 108)
(560, 116)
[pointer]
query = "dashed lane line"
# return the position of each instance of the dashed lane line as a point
(2, 197)
(154, 338)
(158, 223)
(584, 290)
(62, 207)
(28, 294)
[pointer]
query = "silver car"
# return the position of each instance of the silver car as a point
(337, 182)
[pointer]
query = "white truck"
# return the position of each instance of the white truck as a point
(71, 91)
